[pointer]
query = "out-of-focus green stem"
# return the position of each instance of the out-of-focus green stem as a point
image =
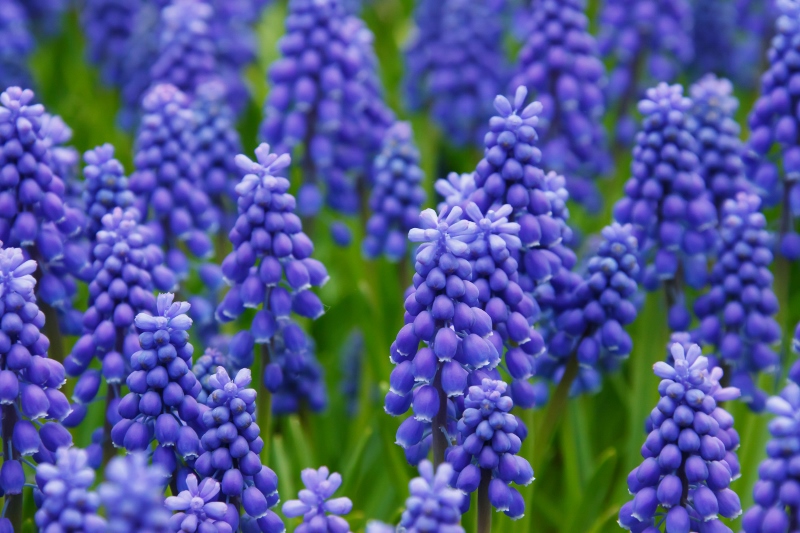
(546, 431)
(484, 505)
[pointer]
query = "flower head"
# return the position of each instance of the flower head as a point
(320, 513)
(133, 497)
(432, 504)
(197, 506)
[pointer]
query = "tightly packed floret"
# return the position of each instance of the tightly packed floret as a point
(320, 513)
(133, 496)
(325, 98)
(270, 267)
(108, 26)
(206, 367)
(689, 454)
(32, 406)
(295, 376)
(648, 41)
(737, 314)
(456, 65)
(16, 44)
(397, 195)
(197, 508)
(775, 493)
(666, 200)
(105, 187)
(161, 406)
(67, 504)
(127, 267)
(231, 444)
(720, 150)
(591, 318)
(167, 177)
(432, 504)
(560, 64)
(443, 312)
(489, 439)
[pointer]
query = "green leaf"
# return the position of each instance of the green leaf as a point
(595, 493)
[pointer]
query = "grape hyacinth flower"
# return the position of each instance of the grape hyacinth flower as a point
(325, 97)
(31, 404)
(666, 201)
(456, 189)
(560, 64)
(737, 314)
(16, 44)
(133, 496)
(295, 376)
(720, 149)
(320, 513)
(489, 439)
(63, 158)
(456, 65)
(197, 508)
(648, 41)
(755, 22)
(105, 187)
(167, 176)
(775, 506)
(432, 504)
(443, 312)
(231, 444)
(774, 124)
(689, 457)
(108, 26)
(590, 320)
(67, 504)
(127, 267)
(161, 406)
(206, 367)
(397, 195)
(270, 267)
(713, 37)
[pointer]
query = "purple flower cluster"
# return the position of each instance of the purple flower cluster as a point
(714, 37)
(167, 176)
(231, 444)
(67, 503)
(320, 513)
(294, 376)
(397, 195)
(16, 44)
(325, 96)
(737, 313)
(560, 64)
(591, 317)
(108, 26)
(648, 41)
(271, 267)
(161, 406)
(197, 508)
(206, 367)
(666, 200)
(32, 406)
(717, 133)
(755, 21)
(133, 496)
(456, 65)
(63, 159)
(775, 497)
(689, 457)
(432, 505)
(127, 267)
(105, 187)
(489, 439)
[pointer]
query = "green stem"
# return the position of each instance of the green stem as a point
(439, 426)
(555, 412)
(264, 404)
(484, 506)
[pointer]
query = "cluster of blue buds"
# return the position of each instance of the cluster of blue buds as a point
(270, 267)
(167, 177)
(294, 376)
(689, 458)
(161, 406)
(560, 64)
(714, 28)
(206, 367)
(719, 147)
(66, 502)
(432, 505)
(737, 314)
(320, 513)
(443, 312)
(16, 44)
(127, 267)
(775, 493)
(590, 320)
(198, 508)
(32, 406)
(231, 444)
(63, 159)
(108, 26)
(456, 65)
(648, 41)
(666, 201)
(105, 187)
(489, 439)
(133, 496)
(755, 22)
(326, 98)
(397, 195)
(773, 122)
